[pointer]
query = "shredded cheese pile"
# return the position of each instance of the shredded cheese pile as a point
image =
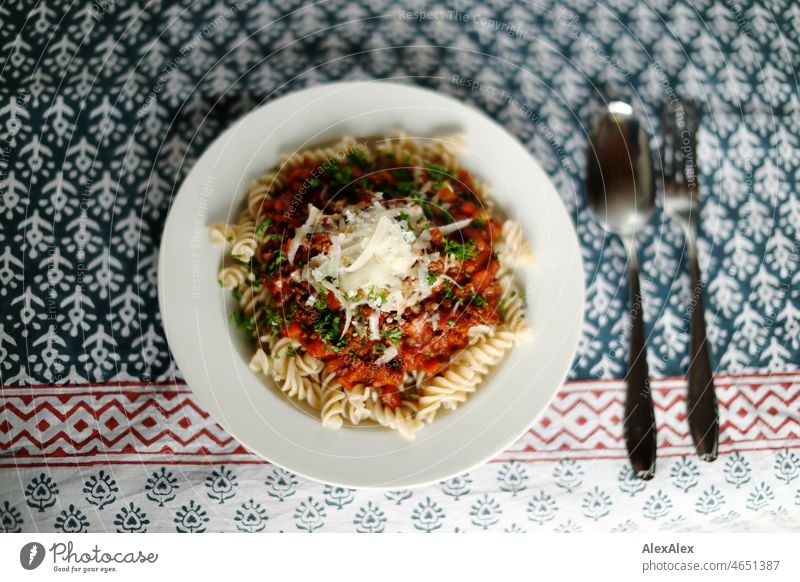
(378, 257)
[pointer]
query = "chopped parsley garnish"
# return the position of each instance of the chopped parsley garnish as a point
(431, 277)
(451, 323)
(395, 334)
(401, 189)
(360, 159)
(439, 171)
(277, 260)
(478, 222)
(341, 176)
(262, 227)
(329, 328)
(461, 251)
(320, 303)
(379, 349)
(236, 294)
(448, 290)
(242, 321)
(374, 295)
(478, 300)
(401, 216)
(291, 352)
(313, 182)
(257, 270)
(272, 321)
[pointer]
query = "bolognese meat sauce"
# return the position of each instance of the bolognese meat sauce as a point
(430, 207)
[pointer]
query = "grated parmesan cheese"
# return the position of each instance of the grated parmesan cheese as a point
(374, 259)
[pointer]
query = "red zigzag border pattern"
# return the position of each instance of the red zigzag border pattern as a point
(143, 423)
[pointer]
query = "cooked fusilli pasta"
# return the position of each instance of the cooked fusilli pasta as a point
(303, 376)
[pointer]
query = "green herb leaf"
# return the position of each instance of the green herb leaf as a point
(439, 171)
(271, 321)
(395, 334)
(277, 260)
(448, 290)
(329, 328)
(262, 227)
(461, 251)
(242, 321)
(360, 159)
(478, 300)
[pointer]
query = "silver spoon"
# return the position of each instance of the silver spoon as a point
(621, 189)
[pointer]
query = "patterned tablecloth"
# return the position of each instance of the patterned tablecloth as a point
(104, 107)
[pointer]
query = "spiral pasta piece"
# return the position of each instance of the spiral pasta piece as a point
(512, 248)
(260, 362)
(261, 190)
(279, 361)
(300, 387)
(358, 397)
(308, 365)
(453, 400)
(222, 233)
(477, 332)
(513, 308)
(487, 353)
(245, 242)
(402, 419)
(437, 388)
(333, 396)
(252, 299)
(232, 277)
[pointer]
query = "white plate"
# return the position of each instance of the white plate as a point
(213, 356)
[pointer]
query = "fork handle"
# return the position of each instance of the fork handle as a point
(639, 425)
(701, 399)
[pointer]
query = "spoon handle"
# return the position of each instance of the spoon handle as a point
(702, 399)
(639, 426)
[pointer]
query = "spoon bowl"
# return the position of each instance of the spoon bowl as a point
(620, 178)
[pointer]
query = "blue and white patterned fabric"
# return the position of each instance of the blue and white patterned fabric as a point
(104, 107)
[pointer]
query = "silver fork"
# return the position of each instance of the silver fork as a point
(679, 125)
